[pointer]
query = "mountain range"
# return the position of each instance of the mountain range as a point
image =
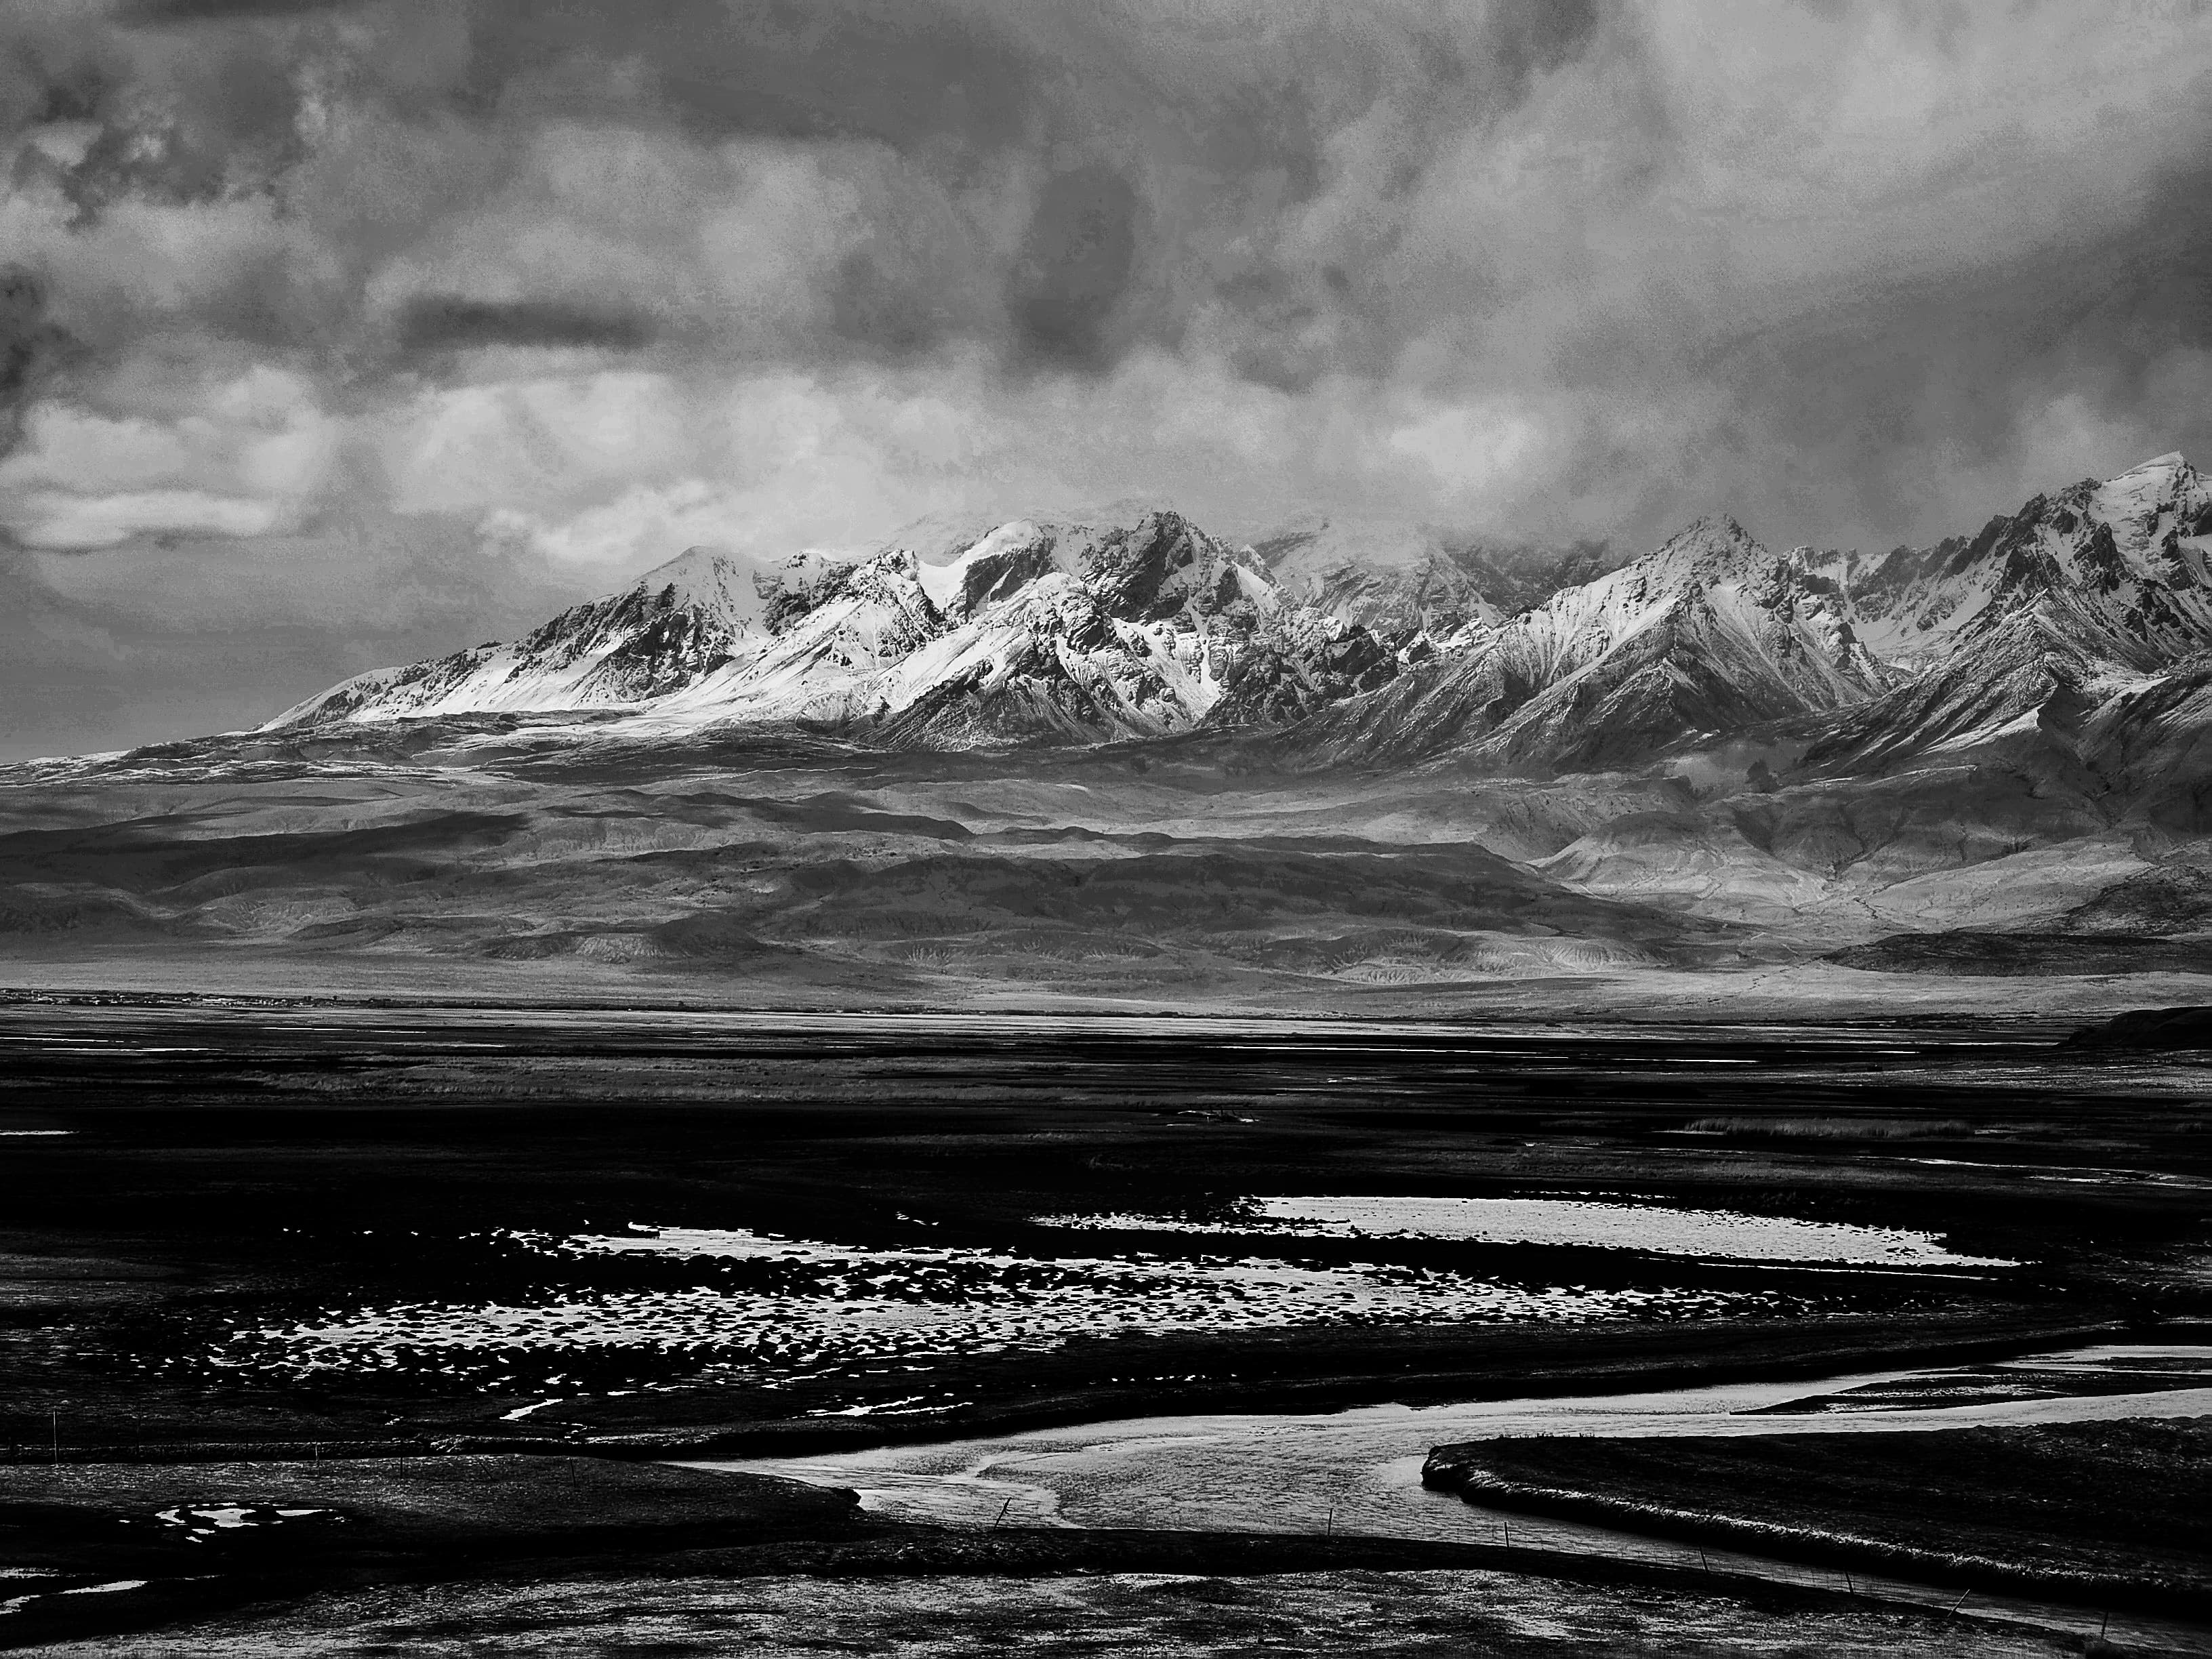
(1116, 755)
(1029, 629)
(2073, 613)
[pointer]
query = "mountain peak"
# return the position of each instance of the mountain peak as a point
(1714, 529)
(733, 589)
(1715, 546)
(697, 571)
(2151, 501)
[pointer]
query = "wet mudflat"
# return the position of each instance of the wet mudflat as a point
(308, 1221)
(1360, 1469)
(2109, 1506)
(264, 1229)
(1362, 1472)
(1364, 1614)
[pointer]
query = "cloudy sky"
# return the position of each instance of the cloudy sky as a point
(335, 332)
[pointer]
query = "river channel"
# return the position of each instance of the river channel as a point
(1358, 1471)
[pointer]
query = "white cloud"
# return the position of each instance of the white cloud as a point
(244, 457)
(545, 443)
(1470, 451)
(52, 518)
(622, 471)
(738, 243)
(619, 471)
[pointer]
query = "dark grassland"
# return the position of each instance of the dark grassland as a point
(2120, 1509)
(232, 1167)
(466, 1554)
(225, 1165)
(296, 1527)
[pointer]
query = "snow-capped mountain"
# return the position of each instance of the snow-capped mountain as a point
(2119, 567)
(1989, 756)
(1132, 627)
(1074, 630)
(2080, 596)
(1403, 582)
(1380, 646)
(776, 637)
(1709, 634)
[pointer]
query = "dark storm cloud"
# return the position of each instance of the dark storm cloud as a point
(1533, 39)
(441, 322)
(901, 71)
(1077, 258)
(155, 13)
(1871, 409)
(1061, 185)
(214, 114)
(1853, 269)
(1131, 159)
(30, 347)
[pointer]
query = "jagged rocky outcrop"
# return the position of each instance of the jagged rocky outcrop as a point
(1033, 629)
(1707, 635)
(776, 635)
(1991, 756)
(2119, 567)
(1301, 660)
(1405, 581)
(2079, 613)
(2081, 623)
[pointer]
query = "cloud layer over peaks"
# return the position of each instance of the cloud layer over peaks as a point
(578, 285)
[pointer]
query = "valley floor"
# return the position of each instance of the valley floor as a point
(248, 1236)
(548, 862)
(1179, 1607)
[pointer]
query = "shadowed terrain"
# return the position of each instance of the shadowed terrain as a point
(296, 1279)
(1127, 759)
(765, 867)
(2084, 1509)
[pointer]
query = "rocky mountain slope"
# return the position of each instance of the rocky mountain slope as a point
(2084, 600)
(888, 775)
(2119, 565)
(2031, 788)
(1381, 645)
(1050, 629)
(1710, 633)
(1404, 580)
(2080, 617)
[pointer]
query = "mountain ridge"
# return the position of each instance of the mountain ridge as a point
(1083, 755)
(1139, 624)
(1052, 628)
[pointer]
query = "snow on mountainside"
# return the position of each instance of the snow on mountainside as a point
(1710, 633)
(1381, 644)
(1029, 627)
(1074, 630)
(2119, 567)
(781, 631)
(1401, 581)
(2048, 613)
